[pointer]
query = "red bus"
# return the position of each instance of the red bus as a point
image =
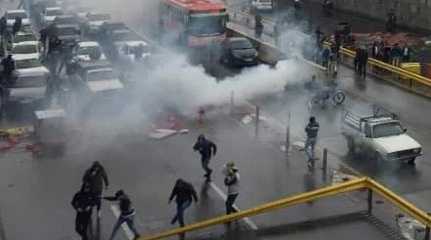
(193, 23)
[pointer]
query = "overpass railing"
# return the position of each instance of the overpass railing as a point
(396, 75)
(353, 185)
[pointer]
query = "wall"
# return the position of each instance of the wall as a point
(415, 14)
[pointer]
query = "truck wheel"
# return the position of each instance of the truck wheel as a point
(411, 161)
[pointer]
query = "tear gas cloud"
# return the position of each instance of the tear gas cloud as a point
(174, 82)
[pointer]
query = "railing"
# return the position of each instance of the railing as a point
(406, 79)
(403, 78)
(353, 185)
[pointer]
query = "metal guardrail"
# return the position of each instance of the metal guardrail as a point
(399, 71)
(353, 185)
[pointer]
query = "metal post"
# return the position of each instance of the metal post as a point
(370, 201)
(325, 160)
(256, 130)
(427, 231)
(287, 144)
(232, 103)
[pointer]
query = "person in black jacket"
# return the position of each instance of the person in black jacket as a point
(8, 64)
(207, 149)
(127, 213)
(16, 25)
(82, 202)
(183, 193)
(97, 179)
(311, 130)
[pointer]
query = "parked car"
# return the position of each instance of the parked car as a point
(28, 48)
(381, 137)
(238, 52)
(49, 14)
(262, 5)
(29, 84)
(88, 51)
(69, 34)
(11, 15)
(94, 21)
(128, 43)
(24, 37)
(93, 78)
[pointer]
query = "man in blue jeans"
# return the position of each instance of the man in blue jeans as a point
(127, 213)
(183, 193)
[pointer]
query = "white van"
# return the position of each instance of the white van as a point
(263, 5)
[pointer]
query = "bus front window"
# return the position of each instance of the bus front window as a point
(207, 25)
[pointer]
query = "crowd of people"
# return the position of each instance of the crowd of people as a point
(95, 181)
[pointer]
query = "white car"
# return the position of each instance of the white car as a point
(11, 15)
(88, 51)
(95, 21)
(26, 49)
(49, 15)
(382, 137)
(24, 37)
(263, 5)
(102, 79)
(127, 49)
(31, 80)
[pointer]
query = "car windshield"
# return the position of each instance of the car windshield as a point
(54, 12)
(67, 31)
(13, 15)
(205, 24)
(124, 36)
(99, 17)
(27, 63)
(24, 38)
(241, 44)
(90, 50)
(30, 81)
(24, 49)
(388, 129)
(66, 20)
(100, 75)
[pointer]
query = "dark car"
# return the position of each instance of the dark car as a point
(239, 52)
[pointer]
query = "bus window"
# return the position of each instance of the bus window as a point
(207, 24)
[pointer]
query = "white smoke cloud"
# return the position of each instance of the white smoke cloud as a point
(186, 87)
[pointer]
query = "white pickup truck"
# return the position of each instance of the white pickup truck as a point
(381, 137)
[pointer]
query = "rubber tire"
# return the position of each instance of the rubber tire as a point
(412, 161)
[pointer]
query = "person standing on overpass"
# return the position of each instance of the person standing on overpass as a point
(258, 25)
(207, 149)
(231, 181)
(311, 130)
(184, 193)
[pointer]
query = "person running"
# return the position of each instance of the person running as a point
(97, 179)
(231, 181)
(184, 193)
(82, 202)
(207, 149)
(311, 130)
(127, 213)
